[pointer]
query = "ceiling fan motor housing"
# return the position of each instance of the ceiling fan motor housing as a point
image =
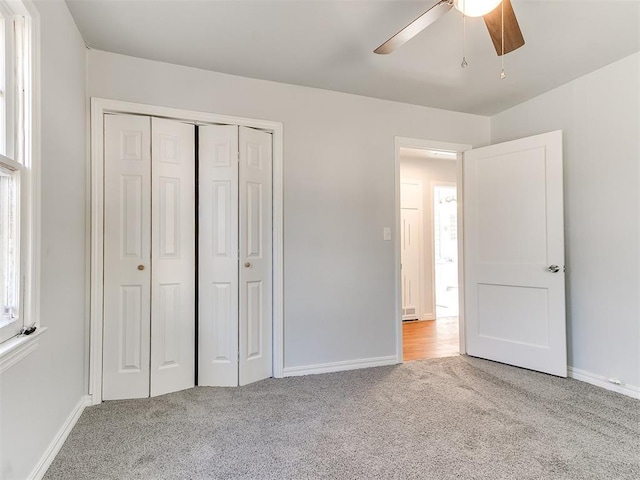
(476, 8)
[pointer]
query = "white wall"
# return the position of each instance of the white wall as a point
(600, 116)
(339, 191)
(38, 394)
(427, 170)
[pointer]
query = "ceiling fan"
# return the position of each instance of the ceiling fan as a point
(488, 9)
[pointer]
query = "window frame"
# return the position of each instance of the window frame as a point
(27, 167)
(16, 169)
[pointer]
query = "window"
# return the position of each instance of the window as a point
(16, 167)
(9, 247)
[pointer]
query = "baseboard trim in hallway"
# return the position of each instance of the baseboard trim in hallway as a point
(340, 366)
(57, 442)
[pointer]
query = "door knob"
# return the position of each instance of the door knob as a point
(141, 267)
(553, 268)
(247, 264)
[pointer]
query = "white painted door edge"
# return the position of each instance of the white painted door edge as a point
(100, 106)
(404, 142)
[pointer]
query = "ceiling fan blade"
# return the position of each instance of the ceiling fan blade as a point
(513, 38)
(415, 27)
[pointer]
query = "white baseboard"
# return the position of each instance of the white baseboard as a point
(56, 444)
(340, 366)
(603, 382)
(428, 316)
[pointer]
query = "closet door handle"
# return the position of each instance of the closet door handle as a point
(140, 267)
(247, 264)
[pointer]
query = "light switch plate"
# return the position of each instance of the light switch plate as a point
(386, 233)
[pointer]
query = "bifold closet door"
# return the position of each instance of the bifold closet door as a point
(173, 256)
(235, 256)
(218, 256)
(256, 216)
(149, 256)
(127, 256)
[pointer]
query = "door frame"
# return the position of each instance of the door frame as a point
(95, 208)
(405, 142)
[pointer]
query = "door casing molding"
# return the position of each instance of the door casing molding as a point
(100, 106)
(404, 142)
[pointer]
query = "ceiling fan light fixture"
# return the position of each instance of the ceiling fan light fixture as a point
(476, 8)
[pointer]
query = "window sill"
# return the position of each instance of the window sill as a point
(15, 349)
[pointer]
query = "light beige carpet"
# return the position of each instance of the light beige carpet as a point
(450, 418)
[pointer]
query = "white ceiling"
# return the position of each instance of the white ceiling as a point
(328, 44)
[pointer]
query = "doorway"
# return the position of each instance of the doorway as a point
(511, 269)
(429, 244)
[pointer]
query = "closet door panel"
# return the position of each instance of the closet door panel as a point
(255, 203)
(173, 288)
(127, 256)
(218, 256)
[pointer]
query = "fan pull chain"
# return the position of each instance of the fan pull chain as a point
(464, 41)
(502, 74)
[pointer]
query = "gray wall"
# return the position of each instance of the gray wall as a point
(600, 116)
(38, 393)
(339, 191)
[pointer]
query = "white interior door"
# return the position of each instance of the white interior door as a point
(173, 256)
(149, 257)
(410, 218)
(255, 206)
(218, 256)
(514, 253)
(235, 256)
(127, 256)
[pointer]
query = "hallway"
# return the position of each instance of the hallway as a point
(430, 339)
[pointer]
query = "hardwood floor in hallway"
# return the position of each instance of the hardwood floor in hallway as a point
(430, 339)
